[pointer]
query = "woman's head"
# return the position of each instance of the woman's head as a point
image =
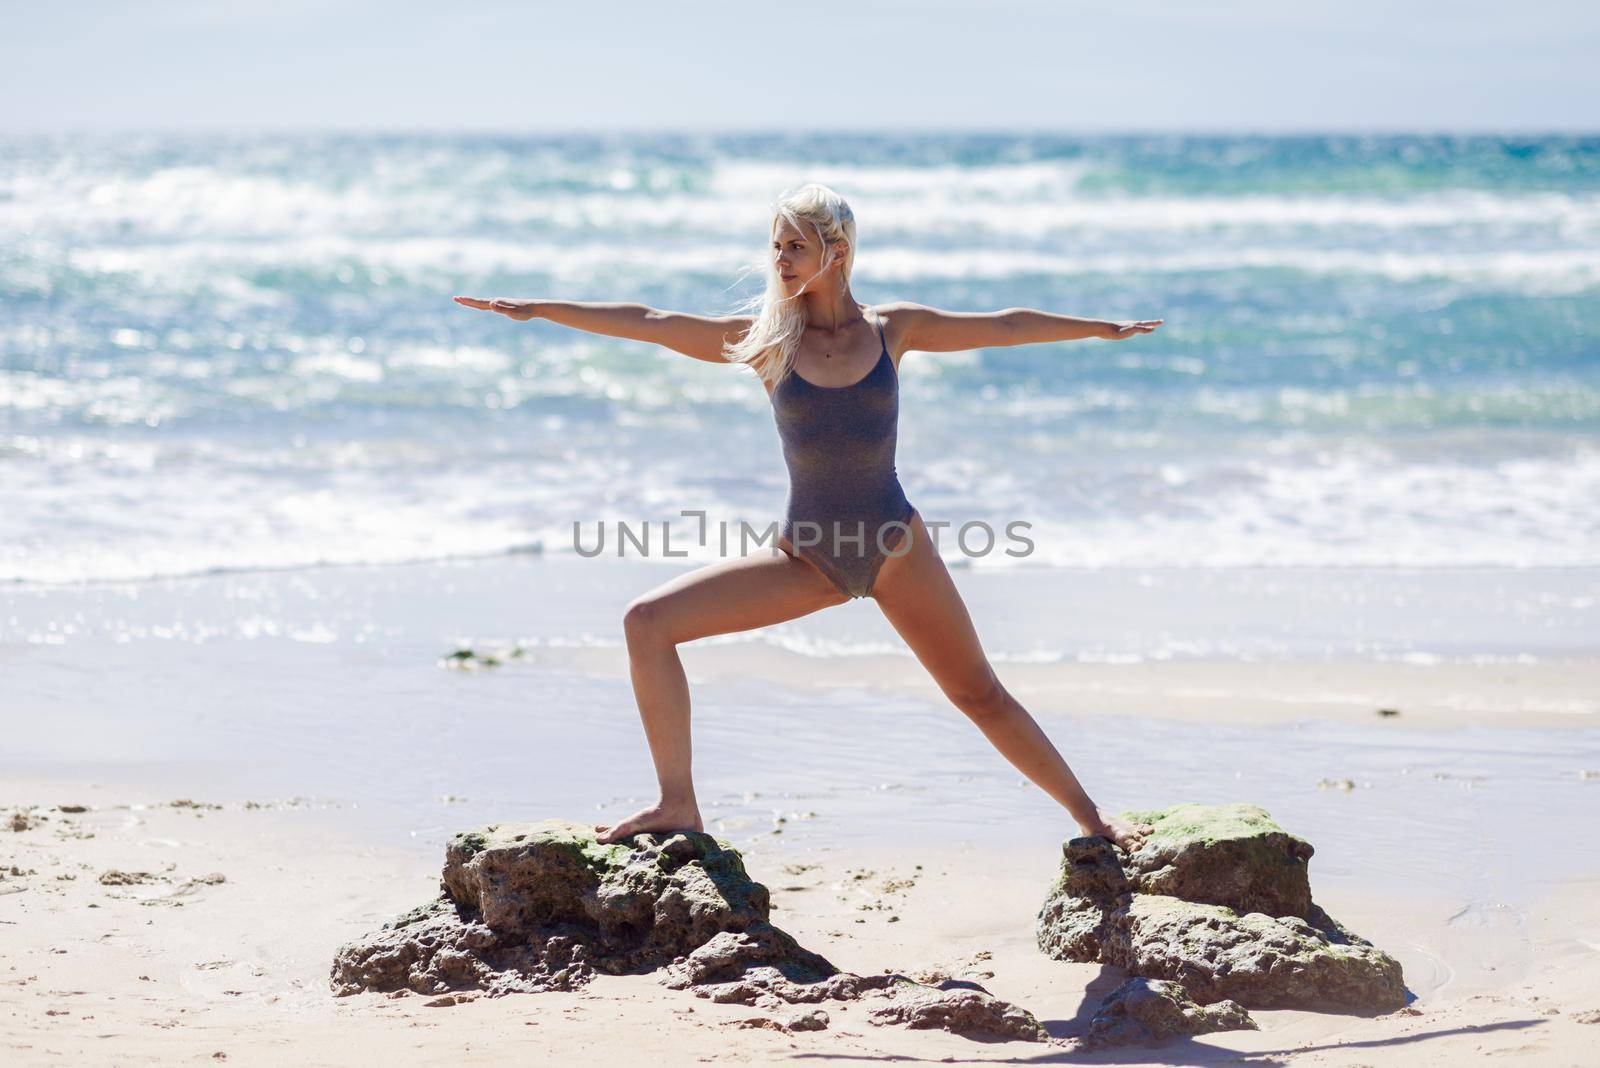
(813, 240)
(811, 250)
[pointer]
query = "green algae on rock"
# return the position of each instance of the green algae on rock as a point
(638, 908)
(529, 907)
(1232, 855)
(1217, 899)
(538, 906)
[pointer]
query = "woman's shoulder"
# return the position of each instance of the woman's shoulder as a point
(898, 312)
(893, 317)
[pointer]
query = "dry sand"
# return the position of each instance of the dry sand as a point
(169, 964)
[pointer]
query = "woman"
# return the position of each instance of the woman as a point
(830, 366)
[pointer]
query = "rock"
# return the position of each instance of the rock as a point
(531, 907)
(1150, 1011)
(815, 1020)
(468, 659)
(763, 960)
(542, 906)
(964, 1010)
(1231, 855)
(1255, 959)
(1218, 900)
(637, 906)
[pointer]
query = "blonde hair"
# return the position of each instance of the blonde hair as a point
(778, 321)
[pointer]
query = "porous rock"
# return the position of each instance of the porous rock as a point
(1258, 960)
(1150, 1011)
(1218, 900)
(543, 906)
(963, 1009)
(529, 907)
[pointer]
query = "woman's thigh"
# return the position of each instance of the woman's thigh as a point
(756, 590)
(920, 600)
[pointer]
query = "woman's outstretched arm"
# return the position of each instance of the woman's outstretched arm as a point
(700, 336)
(935, 330)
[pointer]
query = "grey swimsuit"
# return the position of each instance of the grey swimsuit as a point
(844, 495)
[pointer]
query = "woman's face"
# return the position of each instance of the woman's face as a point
(798, 257)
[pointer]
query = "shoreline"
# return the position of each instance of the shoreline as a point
(1549, 694)
(1504, 647)
(957, 565)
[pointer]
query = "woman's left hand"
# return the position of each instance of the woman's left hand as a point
(1118, 331)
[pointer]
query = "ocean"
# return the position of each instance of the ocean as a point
(236, 353)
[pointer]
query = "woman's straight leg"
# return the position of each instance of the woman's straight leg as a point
(920, 600)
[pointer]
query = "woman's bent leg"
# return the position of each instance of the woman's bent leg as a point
(757, 590)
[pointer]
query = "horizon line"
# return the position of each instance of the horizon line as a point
(589, 129)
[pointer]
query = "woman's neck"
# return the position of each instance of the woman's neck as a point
(830, 311)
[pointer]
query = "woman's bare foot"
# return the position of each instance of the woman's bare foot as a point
(1125, 833)
(661, 816)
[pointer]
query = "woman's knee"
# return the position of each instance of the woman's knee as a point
(979, 697)
(643, 620)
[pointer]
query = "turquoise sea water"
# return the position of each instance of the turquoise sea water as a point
(242, 352)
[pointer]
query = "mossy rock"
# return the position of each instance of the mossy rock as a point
(1218, 899)
(536, 906)
(658, 895)
(1233, 855)
(532, 907)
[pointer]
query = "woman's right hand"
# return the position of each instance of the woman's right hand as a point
(520, 310)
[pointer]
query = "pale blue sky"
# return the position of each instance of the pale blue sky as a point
(880, 64)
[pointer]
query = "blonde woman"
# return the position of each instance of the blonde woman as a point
(830, 366)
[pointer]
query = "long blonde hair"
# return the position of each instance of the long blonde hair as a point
(779, 322)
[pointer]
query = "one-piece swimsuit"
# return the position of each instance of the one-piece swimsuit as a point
(846, 511)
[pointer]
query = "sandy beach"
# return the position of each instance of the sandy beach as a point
(213, 783)
(193, 953)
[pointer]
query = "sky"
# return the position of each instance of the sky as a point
(399, 65)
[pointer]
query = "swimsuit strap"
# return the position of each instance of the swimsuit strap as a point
(882, 340)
